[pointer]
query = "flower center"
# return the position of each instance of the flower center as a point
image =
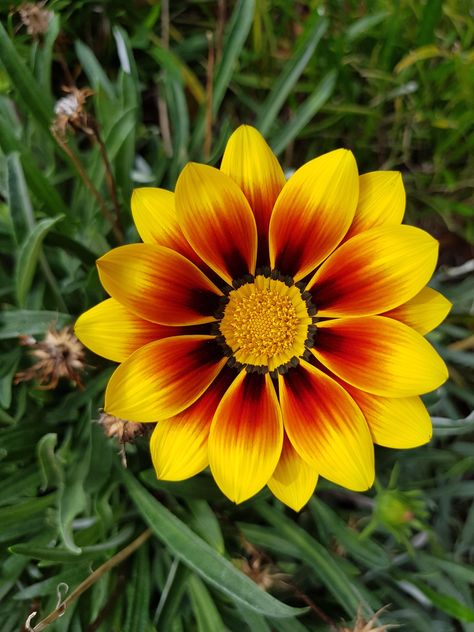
(266, 324)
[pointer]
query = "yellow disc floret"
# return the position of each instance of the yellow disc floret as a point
(265, 323)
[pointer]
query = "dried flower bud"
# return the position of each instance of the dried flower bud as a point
(70, 111)
(260, 569)
(59, 354)
(121, 429)
(35, 18)
(363, 625)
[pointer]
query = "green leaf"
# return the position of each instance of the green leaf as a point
(57, 554)
(362, 25)
(305, 112)
(205, 523)
(92, 68)
(72, 497)
(51, 468)
(293, 69)
(30, 93)
(18, 485)
(201, 557)
(370, 554)
(445, 427)
(19, 512)
(23, 322)
(447, 604)
(234, 39)
(19, 202)
(7, 371)
(28, 257)
(38, 182)
(347, 592)
(205, 611)
(138, 593)
(171, 595)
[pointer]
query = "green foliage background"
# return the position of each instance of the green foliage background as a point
(393, 81)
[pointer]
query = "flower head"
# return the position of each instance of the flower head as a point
(273, 329)
(59, 355)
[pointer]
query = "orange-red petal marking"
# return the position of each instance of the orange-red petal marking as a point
(114, 332)
(379, 355)
(217, 220)
(246, 436)
(313, 212)
(159, 285)
(326, 427)
(374, 272)
(163, 378)
(179, 444)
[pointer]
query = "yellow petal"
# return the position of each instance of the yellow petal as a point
(246, 436)
(293, 481)
(154, 214)
(112, 331)
(250, 162)
(381, 201)
(217, 220)
(394, 422)
(379, 355)
(179, 444)
(313, 212)
(424, 312)
(326, 427)
(374, 272)
(163, 378)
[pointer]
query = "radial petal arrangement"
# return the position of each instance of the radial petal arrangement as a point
(271, 329)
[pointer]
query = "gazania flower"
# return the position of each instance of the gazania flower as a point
(273, 329)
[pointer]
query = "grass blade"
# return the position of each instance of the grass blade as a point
(305, 112)
(32, 97)
(291, 73)
(201, 557)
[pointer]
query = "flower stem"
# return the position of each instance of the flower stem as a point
(90, 581)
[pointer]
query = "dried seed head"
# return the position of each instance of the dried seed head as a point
(36, 18)
(363, 625)
(121, 429)
(58, 355)
(70, 111)
(259, 568)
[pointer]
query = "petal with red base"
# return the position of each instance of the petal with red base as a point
(401, 422)
(326, 427)
(374, 272)
(381, 201)
(163, 378)
(246, 436)
(424, 312)
(179, 445)
(313, 212)
(217, 220)
(159, 285)
(154, 214)
(293, 481)
(114, 332)
(379, 355)
(250, 162)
